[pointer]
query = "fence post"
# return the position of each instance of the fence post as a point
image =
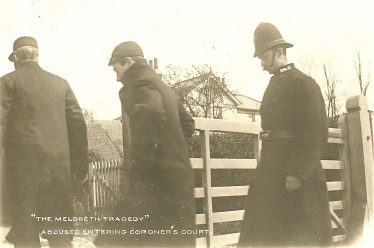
(207, 183)
(361, 162)
(346, 171)
(257, 144)
(93, 190)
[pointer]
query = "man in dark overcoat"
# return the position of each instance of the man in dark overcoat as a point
(288, 203)
(44, 137)
(160, 176)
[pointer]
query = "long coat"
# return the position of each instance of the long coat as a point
(44, 137)
(274, 216)
(160, 176)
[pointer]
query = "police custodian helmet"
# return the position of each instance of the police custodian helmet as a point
(267, 36)
(125, 49)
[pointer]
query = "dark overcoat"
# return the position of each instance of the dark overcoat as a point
(274, 216)
(44, 137)
(160, 177)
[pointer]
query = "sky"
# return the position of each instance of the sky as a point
(76, 38)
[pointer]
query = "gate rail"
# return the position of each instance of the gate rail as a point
(351, 212)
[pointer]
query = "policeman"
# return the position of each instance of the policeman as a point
(287, 202)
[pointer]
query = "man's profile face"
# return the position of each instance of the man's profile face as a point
(269, 61)
(120, 69)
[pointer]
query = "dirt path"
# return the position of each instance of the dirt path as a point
(78, 242)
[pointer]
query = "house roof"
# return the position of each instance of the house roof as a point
(113, 129)
(248, 103)
(191, 83)
(100, 142)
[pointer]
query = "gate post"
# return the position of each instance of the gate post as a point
(346, 172)
(207, 183)
(361, 162)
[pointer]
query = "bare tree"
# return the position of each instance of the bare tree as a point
(173, 74)
(88, 115)
(199, 89)
(363, 80)
(330, 92)
(323, 72)
(307, 64)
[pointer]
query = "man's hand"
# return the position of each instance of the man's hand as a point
(292, 183)
(81, 179)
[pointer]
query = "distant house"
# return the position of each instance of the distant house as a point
(249, 109)
(207, 96)
(100, 144)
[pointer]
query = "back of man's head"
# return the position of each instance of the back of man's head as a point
(26, 53)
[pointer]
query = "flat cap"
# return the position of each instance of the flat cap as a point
(126, 49)
(21, 42)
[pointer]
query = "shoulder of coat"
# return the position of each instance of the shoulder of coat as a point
(8, 76)
(149, 79)
(297, 74)
(298, 77)
(148, 75)
(306, 83)
(297, 81)
(53, 76)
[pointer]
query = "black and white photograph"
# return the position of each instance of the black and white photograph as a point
(175, 123)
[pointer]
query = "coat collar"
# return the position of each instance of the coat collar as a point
(134, 70)
(29, 64)
(284, 68)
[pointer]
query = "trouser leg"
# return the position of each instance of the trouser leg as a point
(54, 202)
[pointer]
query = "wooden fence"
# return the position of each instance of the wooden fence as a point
(106, 179)
(350, 186)
(208, 192)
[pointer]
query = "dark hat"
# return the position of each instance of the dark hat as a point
(267, 36)
(126, 49)
(20, 42)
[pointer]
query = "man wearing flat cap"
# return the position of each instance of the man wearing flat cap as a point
(160, 175)
(287, 201)
(44, 137)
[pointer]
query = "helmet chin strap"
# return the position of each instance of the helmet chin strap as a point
(272, 60)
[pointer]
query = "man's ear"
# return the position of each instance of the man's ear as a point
(129, 60)
(281, 50)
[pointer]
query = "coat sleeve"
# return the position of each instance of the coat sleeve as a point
(311, 129)
(187, 122)
(6, 99)
(148, 119)
(77, 132)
